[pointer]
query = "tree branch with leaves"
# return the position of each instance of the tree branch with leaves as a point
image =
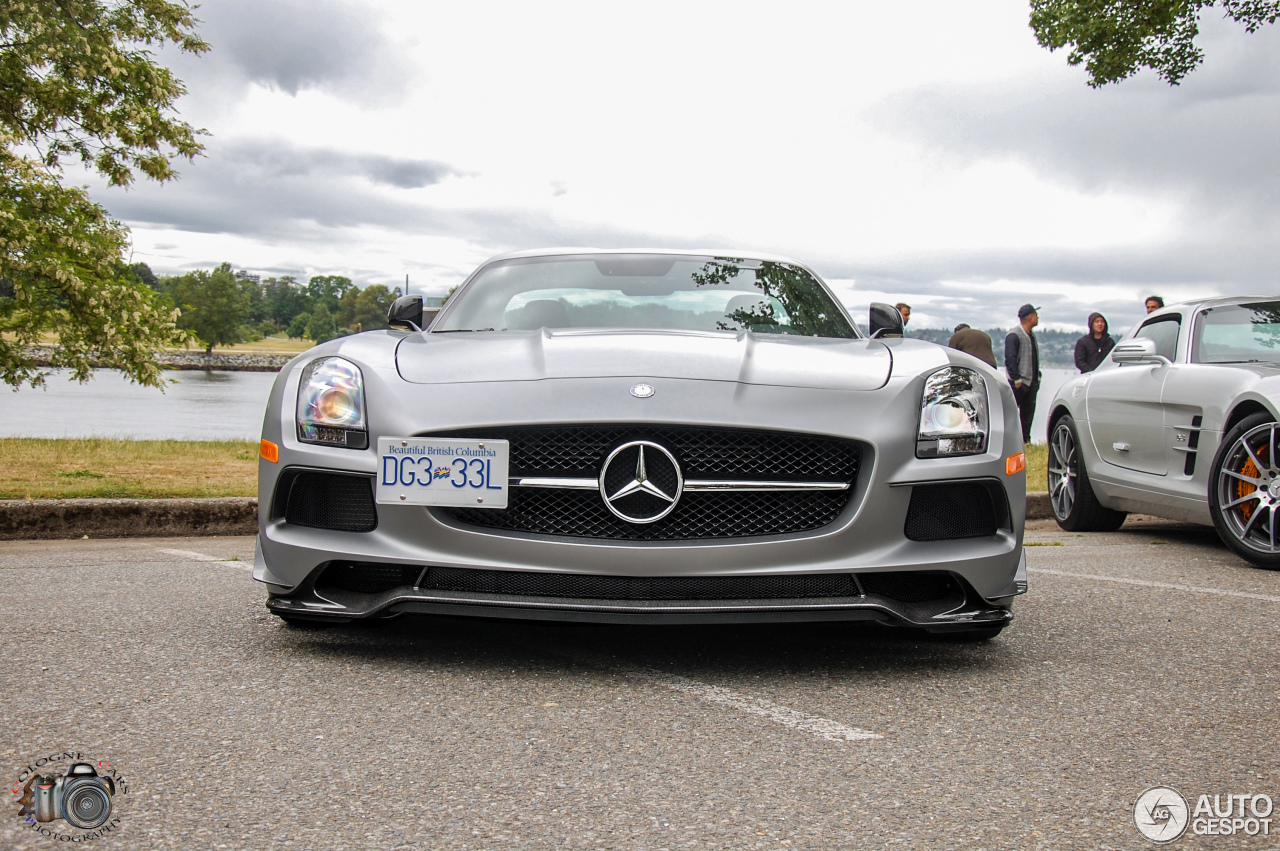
(1113, 39)
(79, 81)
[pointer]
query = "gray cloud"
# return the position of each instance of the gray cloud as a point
(1215, 140)
(289, 45)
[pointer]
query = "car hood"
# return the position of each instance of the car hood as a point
(748, 358)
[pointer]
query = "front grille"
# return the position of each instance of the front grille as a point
(367, 578)
(917, 586)
(580, 587)
(703, 453)
(582, 514)
(952, 510)
(328, 501)
(578, 451)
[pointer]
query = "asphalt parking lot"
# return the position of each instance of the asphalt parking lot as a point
(1140, 658)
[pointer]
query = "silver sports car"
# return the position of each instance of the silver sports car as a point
(656, 437)
(1180, 422)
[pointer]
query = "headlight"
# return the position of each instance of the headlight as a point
(331, 404)
(953, 414)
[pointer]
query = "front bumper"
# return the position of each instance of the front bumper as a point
(957, 608)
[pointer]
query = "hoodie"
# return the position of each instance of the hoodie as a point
(1090, 351)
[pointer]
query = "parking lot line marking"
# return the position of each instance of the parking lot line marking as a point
(194, 556)
(1146, 583)
(823, 728)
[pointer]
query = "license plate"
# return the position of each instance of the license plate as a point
(443, 471)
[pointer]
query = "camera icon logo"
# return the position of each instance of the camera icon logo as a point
(1161, 814)
(81, 797)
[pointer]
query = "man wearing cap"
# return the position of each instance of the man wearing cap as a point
(1022, 363)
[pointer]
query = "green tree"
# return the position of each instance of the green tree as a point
(321, 328)
(1115, 38)
(78, 80)
(214, 306)
(328, 290)
(366, 309)
(284, 300)
(298, 326)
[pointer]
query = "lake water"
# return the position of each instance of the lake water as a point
(204, 406)
(200, 406)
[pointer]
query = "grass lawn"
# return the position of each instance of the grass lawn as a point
(35, 468)
(1037, 467)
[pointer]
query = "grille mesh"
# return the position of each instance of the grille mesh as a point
(367, 578)
(573, 586)
(331, 501)
(704, 453)
(955, 510)
(698, 515)
(579, 451)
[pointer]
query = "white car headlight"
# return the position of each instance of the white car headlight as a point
(953, 414)
(331, 404)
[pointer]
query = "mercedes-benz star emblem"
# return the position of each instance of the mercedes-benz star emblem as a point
(642, 391)
(641, 482)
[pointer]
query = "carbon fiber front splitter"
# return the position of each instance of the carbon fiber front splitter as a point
(961, 611)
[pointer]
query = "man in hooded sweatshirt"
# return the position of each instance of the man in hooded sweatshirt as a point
(1092, 349)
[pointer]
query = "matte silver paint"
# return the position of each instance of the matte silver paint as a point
(868, 390)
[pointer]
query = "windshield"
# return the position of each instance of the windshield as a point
(646, 291)
(1238, 333)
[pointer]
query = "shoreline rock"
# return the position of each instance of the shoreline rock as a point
(218, 361)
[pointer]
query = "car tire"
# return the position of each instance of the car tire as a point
(1242, 500)
(1071, 497)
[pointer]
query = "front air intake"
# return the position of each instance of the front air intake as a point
(323, 500)
(953, 510)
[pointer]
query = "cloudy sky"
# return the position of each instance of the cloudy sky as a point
(929, 152)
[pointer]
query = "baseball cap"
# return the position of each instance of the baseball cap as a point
(1026, 310)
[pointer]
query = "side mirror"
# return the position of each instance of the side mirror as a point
(885, 320)
(406, 311)
(1137, 350)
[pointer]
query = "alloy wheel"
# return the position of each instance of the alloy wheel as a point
(1063, 469)
(1248, 489)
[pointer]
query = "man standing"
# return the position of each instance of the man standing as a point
(1022, 363)
(1154, 303)
(971, 341)
(1092, 349)
(905, 310)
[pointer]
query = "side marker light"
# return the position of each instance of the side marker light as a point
(1014, 464)
(270, 451)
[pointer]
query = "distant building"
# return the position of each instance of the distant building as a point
(242, 275)
(436, 301)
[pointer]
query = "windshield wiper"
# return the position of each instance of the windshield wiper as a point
(460, 330)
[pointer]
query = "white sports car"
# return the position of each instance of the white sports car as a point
(1180, 422)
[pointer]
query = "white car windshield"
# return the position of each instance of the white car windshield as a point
(646, 291)
(1238, 333)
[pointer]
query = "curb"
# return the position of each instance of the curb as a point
(1038, 506)
(48, 519)
(52, 519)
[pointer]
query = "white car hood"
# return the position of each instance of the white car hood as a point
(744, 357)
